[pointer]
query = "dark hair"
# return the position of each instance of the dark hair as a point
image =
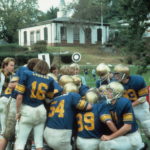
(6, 61)
(41, 67)
(32, 62)
(53, 67)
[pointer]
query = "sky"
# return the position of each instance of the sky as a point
(45, 5)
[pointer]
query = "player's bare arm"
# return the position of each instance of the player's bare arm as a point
(123, 130)
(111, 126)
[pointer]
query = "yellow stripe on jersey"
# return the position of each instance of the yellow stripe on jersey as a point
(51, 94)
(81, 105)
(55, 91)
(143, 92)
(53, 103)
(130, 94)
(105, 117)
(83, 97)
(20, 88)
(128, 117)
(8, 91)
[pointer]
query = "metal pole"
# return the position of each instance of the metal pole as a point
(101, 24)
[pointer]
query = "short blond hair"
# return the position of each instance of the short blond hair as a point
(74, 66)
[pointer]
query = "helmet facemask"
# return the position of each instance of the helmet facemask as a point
(119, 76)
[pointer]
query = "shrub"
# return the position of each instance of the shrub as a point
(11, 48)
(39, 46)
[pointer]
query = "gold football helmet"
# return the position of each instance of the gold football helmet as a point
(121, 72)
(92, 97)
(103, 90)
(77, 80)
(70, 87)
(65, 79)
(102, 69)
(116, 89)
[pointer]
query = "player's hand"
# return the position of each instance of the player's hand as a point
(18, 115)
(105, 138)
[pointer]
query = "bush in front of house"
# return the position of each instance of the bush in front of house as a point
(39, 46)
(12, 48)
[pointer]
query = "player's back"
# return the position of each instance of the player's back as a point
(91, 124)
(62, 111)
(34, 86)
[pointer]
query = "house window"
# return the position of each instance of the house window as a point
(31, 37)
(63, 33)
(76, 34)
(25, 37)
(45, 34)
(38, 36)
(88, 35)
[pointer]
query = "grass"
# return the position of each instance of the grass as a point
(91, 56)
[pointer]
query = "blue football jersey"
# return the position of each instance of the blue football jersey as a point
(20, 70)
(34, 87)
(122, 113)
(63, 109)
(135, 88)
(83, 90)
(99, 83)
(91, 124)
(9, 92)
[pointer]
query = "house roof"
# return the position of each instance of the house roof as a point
(67, 20)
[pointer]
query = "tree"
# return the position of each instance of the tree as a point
(135, 13)
(50, 14)
(90, 10)
(15, 14)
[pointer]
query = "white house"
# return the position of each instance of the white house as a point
(64, 30)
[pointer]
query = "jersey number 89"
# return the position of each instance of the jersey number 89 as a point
(85, 121)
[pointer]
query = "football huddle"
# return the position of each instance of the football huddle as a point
(54, 107)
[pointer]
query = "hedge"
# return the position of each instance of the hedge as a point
(11, 48)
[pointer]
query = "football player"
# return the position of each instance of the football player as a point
(8, 112)
(61, 118)
(136, 91)
(32, 90)
(30, 65)
(103, 71)
(127, 136)
(75, 70)
(91, 123)
(82, 88)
